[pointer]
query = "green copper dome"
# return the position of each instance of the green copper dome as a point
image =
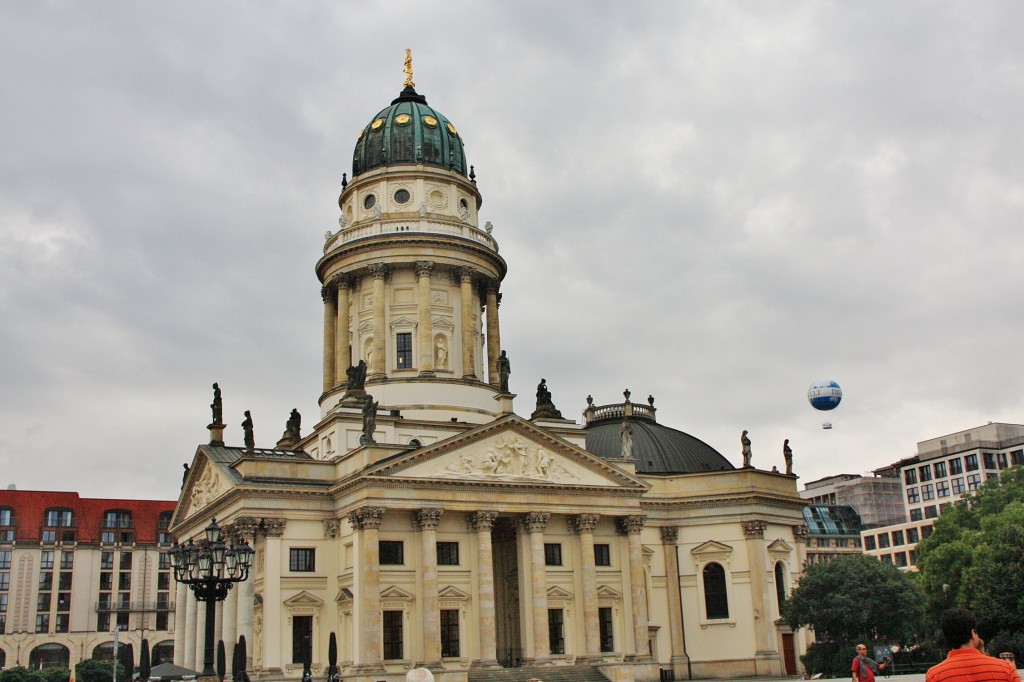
(409, 132)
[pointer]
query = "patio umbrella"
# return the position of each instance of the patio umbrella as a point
(127, 658)
(221, 662)
(332, 658)
(144, 663)
(242, 659)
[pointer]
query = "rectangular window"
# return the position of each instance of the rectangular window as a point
(302, 639)
(403, 345)
(164, 563)
(126, 561)
(913, 496)
(124, 580)
(931, 511)
(162, 620)
(928, 492)
(64, 581)
(49, 537)
(972, 462)
(122, 620)
(117, 519)
(1016, 457)
(393, 649)
(3, 605)
(913, 556)
(556, 631)
(958, 486)
(883, 541)
(106, 580)
(940, 469)
(887, 558)
(956, 466)
(990, 460)
(5, 517)
(5, 580)
(43, 623)
(448, 555)
(392, 552)
(942, 488)
(901, 559)
(926, 531)
(302, 560)
(106, 560)
(163, 581)
(7, 535)
(973, 481)
(107, 537)
(449, 633)
(46, 560)
(910, 476)
(5, 558)
(926, 472)
(63, 602)
(913, 536)
(43, 601)
(897, 538)
(1001, 459)
(46, 580)
(552, 554)
(604, 620)
(869, 542)
(602, 555)
(59, 518)
(61, 623)
(102, 622)
(67, 560)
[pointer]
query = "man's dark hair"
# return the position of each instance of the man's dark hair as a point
(957, 625)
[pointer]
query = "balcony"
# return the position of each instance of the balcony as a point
(160, 605)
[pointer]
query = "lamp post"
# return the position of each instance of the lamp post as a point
(210, 570)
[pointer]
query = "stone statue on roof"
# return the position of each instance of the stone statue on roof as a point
(787, 454)
(545, 406)
(369, 421)
(747, 454)
(250, 439)
(217, 406)
(504, 369)
(626, 435)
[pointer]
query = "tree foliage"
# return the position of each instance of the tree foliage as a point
(20, 674)
(856, 599)
(975, 557)
(98, 671)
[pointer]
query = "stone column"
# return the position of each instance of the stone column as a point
(246, 605)
(367, 520)
(273, 530)
(760, 594)
(181, 623)
(669, 536)
(584, 524)
(426, 326)
(535, 523)
(218, 628)
(343, 344)
(493, 340)
(198, 645)
(468, 338)
(430, 605)
(377, 367)
(632, 526)
(482, 522)
(328, 294)
(229, 626)
(800, 538)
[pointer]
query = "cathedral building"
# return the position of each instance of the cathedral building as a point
(424, 522)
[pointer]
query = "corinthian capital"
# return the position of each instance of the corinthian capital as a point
(483, 520)
(366, 518)
(424, 268)
(535, 522)
(429, 519)
(754, 529)
(632, 525)
(585, 523)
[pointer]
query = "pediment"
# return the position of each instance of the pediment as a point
(305, 600)
(556, 592)
(508, 450)
(452, 593)
(204, 483)
(394, 593)
(344, 596)
(780, 549)
(608, 592)
(711, 547)
(403, 322)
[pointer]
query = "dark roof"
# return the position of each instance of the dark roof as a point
(831, 519)
(409, 132)
(29, 508)
(657, 449)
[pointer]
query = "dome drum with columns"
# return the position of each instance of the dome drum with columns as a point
(425, 523)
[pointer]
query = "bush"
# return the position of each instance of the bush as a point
(1007, 641)
(21, 674)
(97, 671)
(831, 658)
(56, 674)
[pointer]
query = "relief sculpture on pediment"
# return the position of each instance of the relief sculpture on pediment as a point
(508, 460)
(205, 489)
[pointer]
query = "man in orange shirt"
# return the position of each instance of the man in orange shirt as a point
(965, 663)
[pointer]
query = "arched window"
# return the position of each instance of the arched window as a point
(103, 652)
(716, 598)
(3, 659)
(49, 656)
(780, 585)
(163, 652)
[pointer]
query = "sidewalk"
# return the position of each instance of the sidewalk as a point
(915, 677)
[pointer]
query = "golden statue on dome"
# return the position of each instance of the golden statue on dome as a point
(408, 69)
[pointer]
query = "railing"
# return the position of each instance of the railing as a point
(617, 412)
(388, 227)
(159, 605)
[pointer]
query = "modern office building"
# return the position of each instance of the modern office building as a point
(425, 521)
(877, 499)
(832, 530)
(73, 569)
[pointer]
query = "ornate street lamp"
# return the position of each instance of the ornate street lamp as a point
(210, 569)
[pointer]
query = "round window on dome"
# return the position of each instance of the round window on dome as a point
(369, 201)
(402, 196)
(403, 119)
(377, 124)
(430, 121)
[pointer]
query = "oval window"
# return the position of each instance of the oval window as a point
(402, 196)
(369, 201)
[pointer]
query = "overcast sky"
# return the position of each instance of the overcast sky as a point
(716, 203)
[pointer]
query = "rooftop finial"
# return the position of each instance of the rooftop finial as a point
(408, 69)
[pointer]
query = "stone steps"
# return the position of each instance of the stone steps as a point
(581, 672)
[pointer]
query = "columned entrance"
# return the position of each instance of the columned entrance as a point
(506, 593)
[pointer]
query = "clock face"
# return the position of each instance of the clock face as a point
(430, 121)
(377, 124)
(403, 119)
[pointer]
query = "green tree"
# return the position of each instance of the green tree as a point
(975, 557)
(97, 671)
(849, 600)
(20, 674)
